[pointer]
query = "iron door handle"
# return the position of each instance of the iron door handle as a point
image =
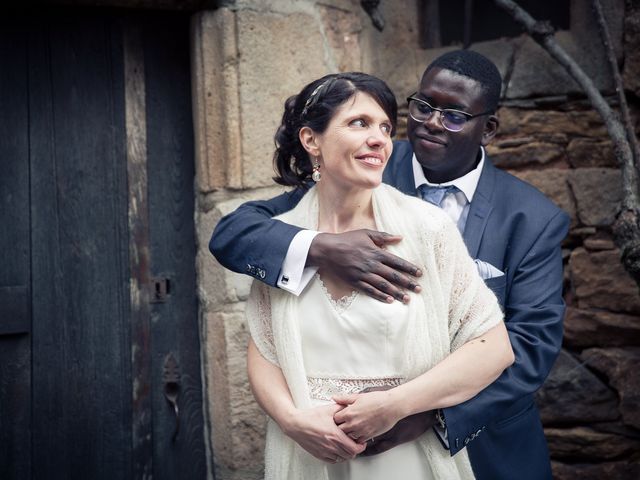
(171, 381)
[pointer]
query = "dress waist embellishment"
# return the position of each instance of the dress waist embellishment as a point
(322, 388)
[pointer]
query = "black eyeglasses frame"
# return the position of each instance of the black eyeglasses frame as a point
(441, 111)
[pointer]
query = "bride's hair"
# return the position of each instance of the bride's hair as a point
(314, 107)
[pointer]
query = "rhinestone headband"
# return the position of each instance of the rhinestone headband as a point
(310, 100)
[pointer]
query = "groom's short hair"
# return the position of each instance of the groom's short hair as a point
(475, 66)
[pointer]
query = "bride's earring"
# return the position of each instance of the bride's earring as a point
(316, 176)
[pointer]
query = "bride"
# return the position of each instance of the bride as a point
(310, 355)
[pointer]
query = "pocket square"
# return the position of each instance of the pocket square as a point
(486, 270)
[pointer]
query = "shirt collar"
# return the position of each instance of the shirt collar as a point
(467, 183)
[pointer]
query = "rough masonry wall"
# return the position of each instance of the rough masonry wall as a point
(589, 403)
(249, 58)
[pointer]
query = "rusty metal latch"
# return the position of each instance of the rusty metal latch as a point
(161, 289)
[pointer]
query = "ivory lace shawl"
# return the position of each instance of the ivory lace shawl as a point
(456, 306)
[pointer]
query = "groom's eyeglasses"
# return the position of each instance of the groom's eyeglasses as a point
(452, 120)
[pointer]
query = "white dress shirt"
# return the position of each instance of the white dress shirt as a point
(456, 205)
(294, 276)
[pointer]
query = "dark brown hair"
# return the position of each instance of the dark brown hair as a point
(314, 107)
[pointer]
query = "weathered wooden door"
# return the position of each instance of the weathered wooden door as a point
(98, 313)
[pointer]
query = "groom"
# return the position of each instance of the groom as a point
(509, 227)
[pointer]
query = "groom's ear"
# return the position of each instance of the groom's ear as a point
(490, 130)
(309, 140)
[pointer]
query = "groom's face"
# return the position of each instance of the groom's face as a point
(446, 155)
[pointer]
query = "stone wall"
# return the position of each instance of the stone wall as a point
(590, 402)
(249, 57)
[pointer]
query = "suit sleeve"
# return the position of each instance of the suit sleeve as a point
(534, 311)
(248, 241)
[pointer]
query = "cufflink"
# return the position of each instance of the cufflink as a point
(284, 280)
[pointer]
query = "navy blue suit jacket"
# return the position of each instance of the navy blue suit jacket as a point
(512, 226)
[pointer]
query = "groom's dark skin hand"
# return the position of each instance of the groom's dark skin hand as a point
(406, 430)
(359, 259)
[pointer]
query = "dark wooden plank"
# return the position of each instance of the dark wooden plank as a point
(14, 156)
(15, 348)
(15, 406)
(15, 317)
(81, 353)
(171, 194)
(139, 261)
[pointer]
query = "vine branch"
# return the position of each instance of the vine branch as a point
(626, 229)
(617, 78)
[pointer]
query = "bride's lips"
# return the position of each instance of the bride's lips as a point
(372, 159)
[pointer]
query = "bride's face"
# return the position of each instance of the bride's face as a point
(356, 145)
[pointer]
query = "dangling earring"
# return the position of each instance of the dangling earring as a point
(316, 176)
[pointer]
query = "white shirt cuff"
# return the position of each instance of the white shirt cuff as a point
(294, 277)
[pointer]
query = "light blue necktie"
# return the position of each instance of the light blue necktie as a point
(435, 195)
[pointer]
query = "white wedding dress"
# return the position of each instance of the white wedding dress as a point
(348, 345)
(324, 347)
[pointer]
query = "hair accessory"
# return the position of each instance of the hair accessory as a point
(309, 101)
(316, 176)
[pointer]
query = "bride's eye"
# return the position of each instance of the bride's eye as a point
(358, 122)
(386, 128)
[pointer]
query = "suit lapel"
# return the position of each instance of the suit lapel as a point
(400, 175)
(399, 172)
(406, 181)
(480, 209)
